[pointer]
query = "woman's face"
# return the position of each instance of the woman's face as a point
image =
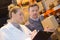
(19, 17)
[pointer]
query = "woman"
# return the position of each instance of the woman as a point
(13, 29)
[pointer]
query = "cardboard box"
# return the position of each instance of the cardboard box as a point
(50, 22)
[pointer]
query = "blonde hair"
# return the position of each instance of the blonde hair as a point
(12, 8)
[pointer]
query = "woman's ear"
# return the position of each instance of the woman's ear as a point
(12, 14)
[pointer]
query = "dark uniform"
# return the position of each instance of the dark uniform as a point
(35, 24)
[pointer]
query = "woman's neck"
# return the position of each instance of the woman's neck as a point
(13, 21)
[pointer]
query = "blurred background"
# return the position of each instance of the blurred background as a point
(46, 6)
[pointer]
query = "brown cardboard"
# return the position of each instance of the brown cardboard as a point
(50, 22)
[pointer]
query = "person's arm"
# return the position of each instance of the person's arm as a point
(33, 34)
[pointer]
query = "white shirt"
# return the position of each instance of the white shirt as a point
(9, 32)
